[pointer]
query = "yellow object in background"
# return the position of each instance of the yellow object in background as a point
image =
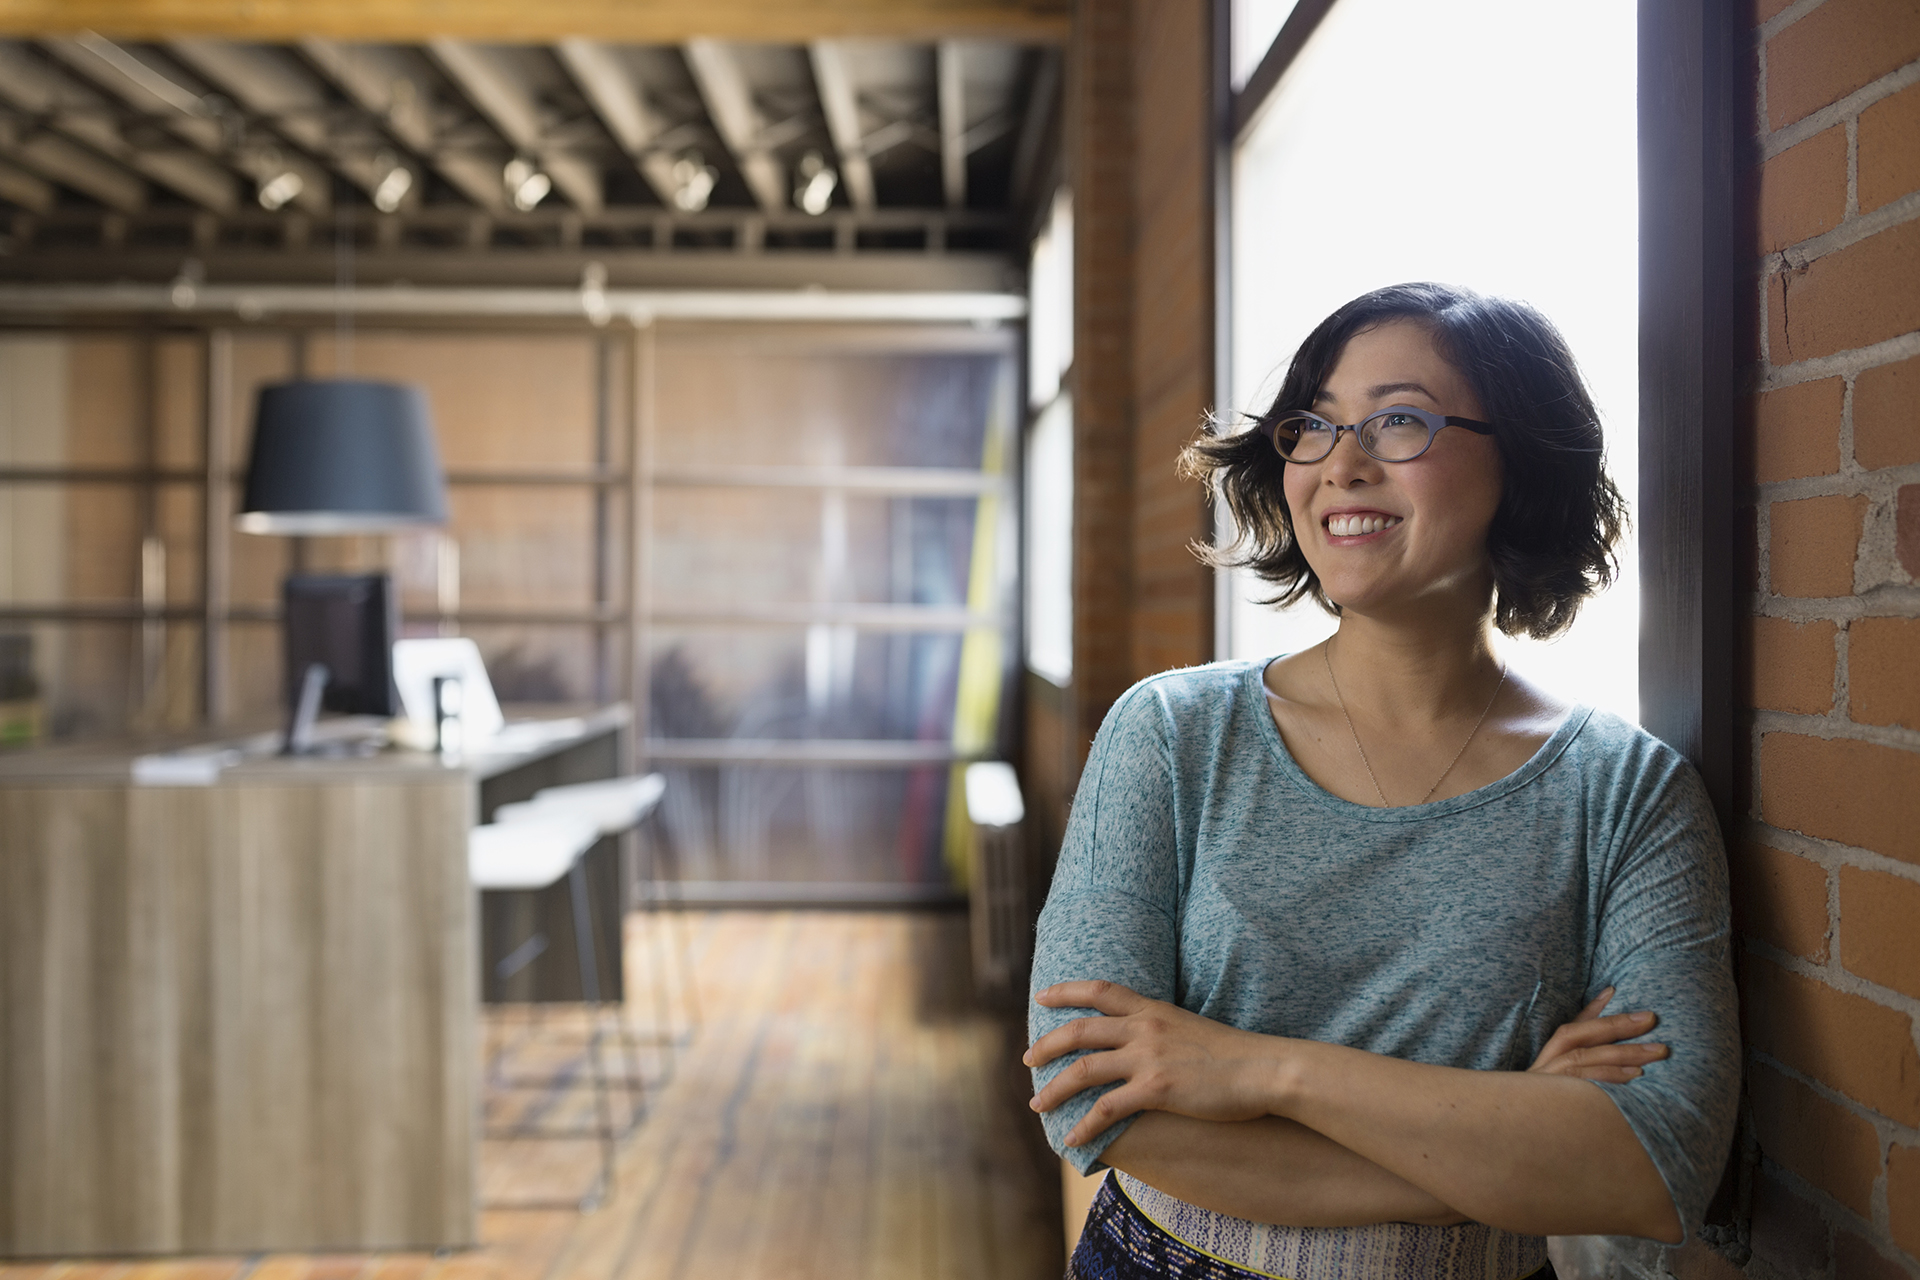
(976, 712)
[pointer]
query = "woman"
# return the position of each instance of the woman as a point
(1313, 916)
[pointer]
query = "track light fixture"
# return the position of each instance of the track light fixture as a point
(526, 185)
(393, 188)
(693, 180)
(813, 184)
(279, 189)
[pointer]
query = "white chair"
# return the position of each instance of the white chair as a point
(616, 805)
(532, 852)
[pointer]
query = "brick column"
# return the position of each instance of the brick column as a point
(1100, 168)
(1826, 860)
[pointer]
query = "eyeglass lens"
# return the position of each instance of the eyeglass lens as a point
(1391, 436)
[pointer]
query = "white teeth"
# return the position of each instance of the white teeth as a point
(1355, 526)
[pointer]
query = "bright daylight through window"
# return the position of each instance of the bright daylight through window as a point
(1456, 143)
(1049, 463)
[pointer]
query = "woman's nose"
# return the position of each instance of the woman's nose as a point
(1349, 464)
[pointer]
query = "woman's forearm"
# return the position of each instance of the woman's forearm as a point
(1268, 1170)
(1543, 1154)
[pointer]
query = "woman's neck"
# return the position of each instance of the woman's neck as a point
(1421, 669)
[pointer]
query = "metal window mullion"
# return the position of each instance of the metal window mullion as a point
(642, 426)
(215, 559)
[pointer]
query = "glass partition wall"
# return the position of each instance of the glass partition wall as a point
(815, 633)
(830, 582)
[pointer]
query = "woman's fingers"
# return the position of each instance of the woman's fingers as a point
(1081, 1033)
(1593, 1031)
(1613, 1062)
(1592, 1011)
(1107, 997)
(1108, 1110)
(1089, 1072)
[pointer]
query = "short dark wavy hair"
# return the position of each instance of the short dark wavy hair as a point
(1560, 517)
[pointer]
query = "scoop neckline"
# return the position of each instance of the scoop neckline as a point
(1541, 760)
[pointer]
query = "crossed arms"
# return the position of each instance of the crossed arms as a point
(1315, 1135)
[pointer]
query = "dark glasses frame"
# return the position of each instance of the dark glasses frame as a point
(1435, 423)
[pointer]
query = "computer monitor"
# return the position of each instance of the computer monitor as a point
(347, 624)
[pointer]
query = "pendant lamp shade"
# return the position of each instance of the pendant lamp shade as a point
(342, 456)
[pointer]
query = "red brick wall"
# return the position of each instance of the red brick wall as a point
(1826, 857)
(1137, 159)
(1172, 330)
(1100, 167)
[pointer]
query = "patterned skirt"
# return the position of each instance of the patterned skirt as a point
(1121, 1242)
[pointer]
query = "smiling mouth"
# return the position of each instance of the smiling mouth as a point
(1358, 526)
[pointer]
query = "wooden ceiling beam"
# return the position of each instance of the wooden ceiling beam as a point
(729, 99)
(840, 104)
(514, 21)
(950, 85)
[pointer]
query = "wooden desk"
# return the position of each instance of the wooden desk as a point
(241, 1016)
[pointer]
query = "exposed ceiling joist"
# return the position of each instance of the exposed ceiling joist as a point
(951, 76)
(622, 108)
(653, 22)
(1035, 122)
(51, 156)
(510, 106)
(28, 190)
(274, 84)
(840, 104)
(382, 80)
(730, 105)
(85, 118)
(206, 177)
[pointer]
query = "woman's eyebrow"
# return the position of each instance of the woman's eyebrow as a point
(1381, 392)
(1394, 388)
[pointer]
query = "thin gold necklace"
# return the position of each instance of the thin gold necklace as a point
(1326, 654)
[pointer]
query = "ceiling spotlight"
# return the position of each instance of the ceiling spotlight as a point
(526, 185)
(693, 180)
(279, 189)
(393, 188)
(814, 183)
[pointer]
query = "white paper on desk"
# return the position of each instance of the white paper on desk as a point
(182, 770)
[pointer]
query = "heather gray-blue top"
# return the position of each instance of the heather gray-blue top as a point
(1202, 867)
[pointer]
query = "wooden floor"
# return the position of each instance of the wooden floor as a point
(845, 1109)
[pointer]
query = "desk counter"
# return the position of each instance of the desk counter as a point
(241, 1016)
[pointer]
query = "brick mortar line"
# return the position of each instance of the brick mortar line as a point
(1856, 360)
(1887, 1129)
(1828, 854)
(1890, 601)
(1845, 981)
(1832, 1212)
(1853, 229)
(1852, 209)
(1834, 727)
(1855, 481)
(1785, 18)
(1787, 136)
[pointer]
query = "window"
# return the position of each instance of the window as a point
(1049, 455)
(1413, 141)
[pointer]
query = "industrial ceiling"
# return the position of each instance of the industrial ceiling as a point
(205, 158)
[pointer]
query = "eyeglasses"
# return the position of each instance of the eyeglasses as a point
(1395, 434)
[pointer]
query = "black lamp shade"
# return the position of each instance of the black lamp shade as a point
(342, 456)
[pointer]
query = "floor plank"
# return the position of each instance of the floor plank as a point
(845, 1109)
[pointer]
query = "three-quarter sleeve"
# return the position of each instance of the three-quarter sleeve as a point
(1663, 944)
(1113, 910)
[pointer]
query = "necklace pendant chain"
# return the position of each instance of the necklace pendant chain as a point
(1326, 654)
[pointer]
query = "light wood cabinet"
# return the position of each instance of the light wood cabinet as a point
(236, 1017)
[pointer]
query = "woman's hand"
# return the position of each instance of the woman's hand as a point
(1170, 1060)
(1588, 1048)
